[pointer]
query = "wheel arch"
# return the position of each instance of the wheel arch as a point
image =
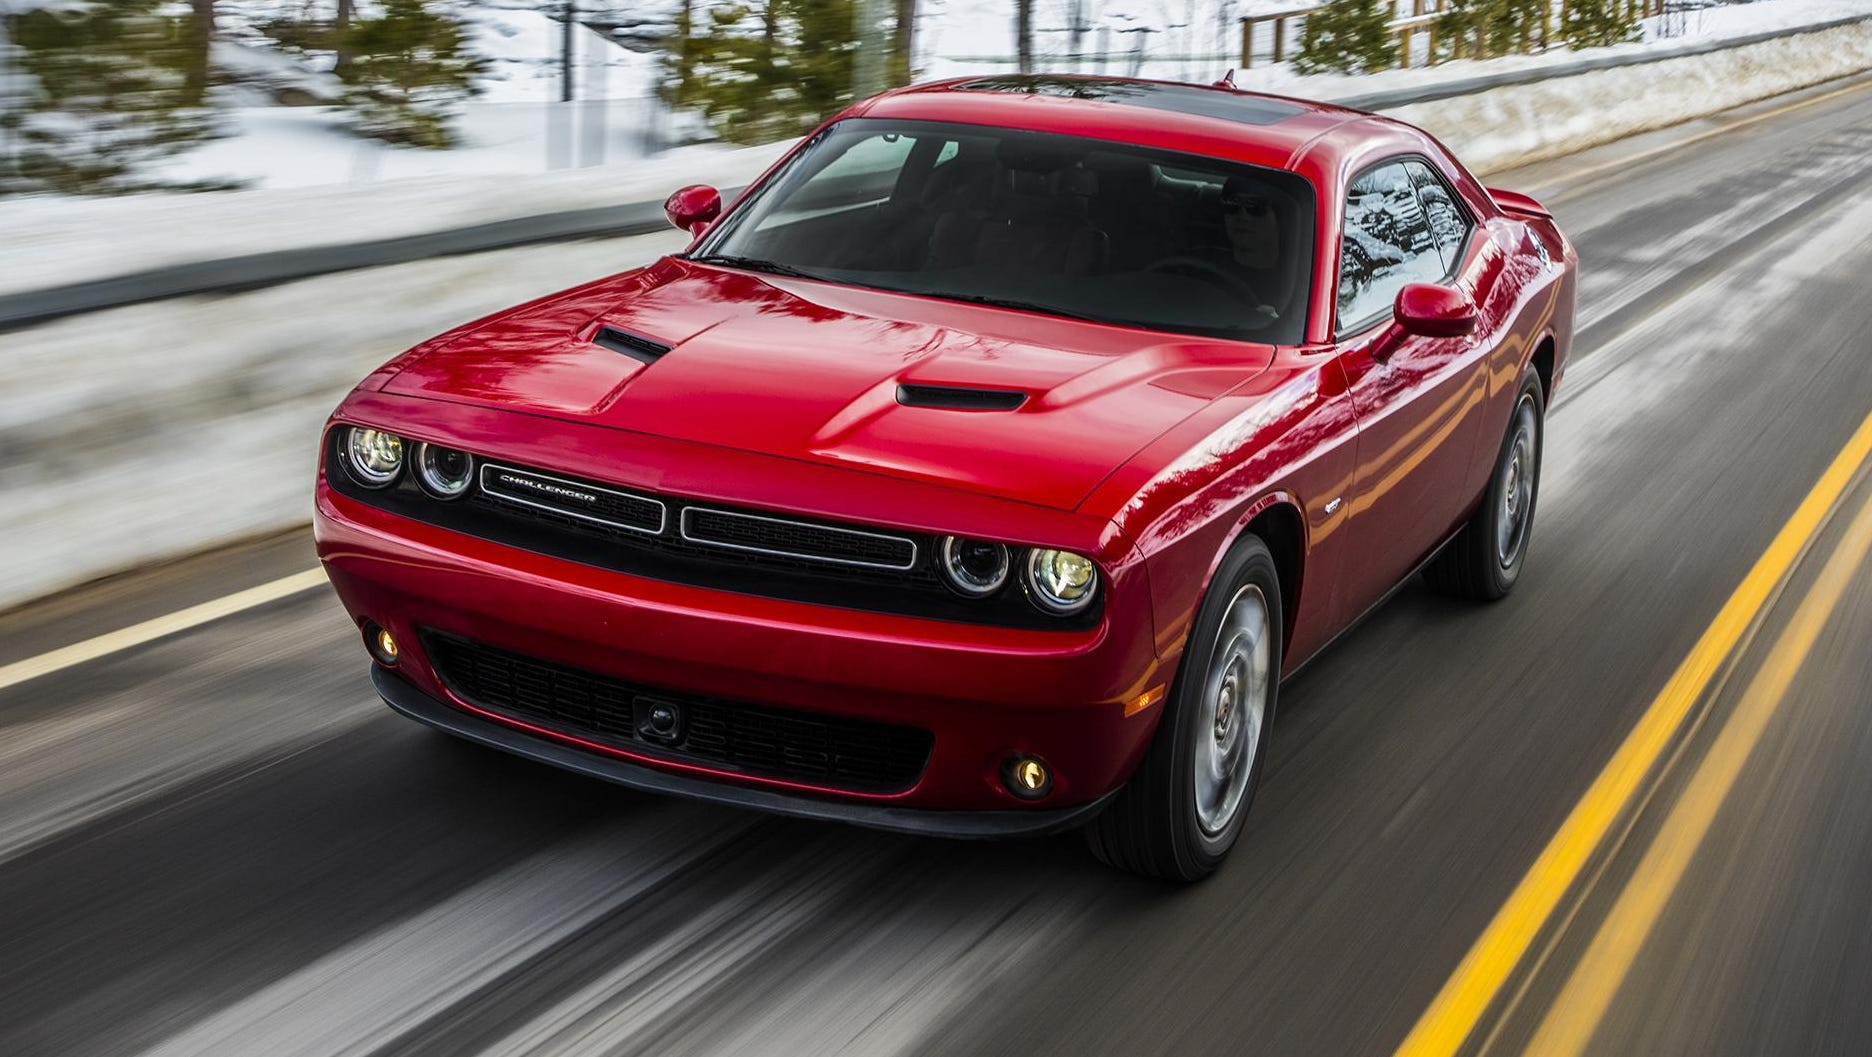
(1542, 361)
(1277, 520)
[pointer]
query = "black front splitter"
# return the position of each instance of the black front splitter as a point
(419, 706)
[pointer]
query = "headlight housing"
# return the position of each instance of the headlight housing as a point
(974, 568)
(1060, 581)
(373, 456)
(444, 472)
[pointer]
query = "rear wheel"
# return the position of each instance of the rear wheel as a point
(1183, 809)
(1485, 559)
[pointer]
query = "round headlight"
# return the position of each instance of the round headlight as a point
(976, 568)
(444, 472)
(374, 456)
(1061, 581)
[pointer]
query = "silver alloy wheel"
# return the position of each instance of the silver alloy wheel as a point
(1234, 705)
(1517, 487)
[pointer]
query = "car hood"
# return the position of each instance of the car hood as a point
(810, 370)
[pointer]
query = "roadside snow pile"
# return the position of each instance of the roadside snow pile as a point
(1516, 125)
(220, 400)
(55, 241)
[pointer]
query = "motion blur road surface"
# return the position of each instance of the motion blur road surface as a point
(222, 843)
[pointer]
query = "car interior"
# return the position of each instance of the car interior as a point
(1073, 226)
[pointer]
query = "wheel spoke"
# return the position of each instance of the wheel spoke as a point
(1228, 729)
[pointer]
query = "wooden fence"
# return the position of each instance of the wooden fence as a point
(1281, 34)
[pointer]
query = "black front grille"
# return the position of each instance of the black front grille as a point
(829, 751)
(669, 538)
(797, 539)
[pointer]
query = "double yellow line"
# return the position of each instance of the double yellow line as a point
(1486, 970)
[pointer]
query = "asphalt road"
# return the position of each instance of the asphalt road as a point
(221, 843)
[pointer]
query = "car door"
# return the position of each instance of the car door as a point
(1418, 400)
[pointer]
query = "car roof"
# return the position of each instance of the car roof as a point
(1215, 120)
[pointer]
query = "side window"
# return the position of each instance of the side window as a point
(1386, 244)
(1448, 225)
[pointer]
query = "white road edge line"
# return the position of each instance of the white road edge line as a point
(158, 627)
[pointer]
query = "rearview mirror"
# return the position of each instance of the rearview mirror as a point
(1431, 311)
(693, 208)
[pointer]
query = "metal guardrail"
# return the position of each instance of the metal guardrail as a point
(260, 270)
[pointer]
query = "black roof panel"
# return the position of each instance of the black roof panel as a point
(1191, 99)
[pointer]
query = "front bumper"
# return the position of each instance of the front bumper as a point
(982, 692)
(405, 698)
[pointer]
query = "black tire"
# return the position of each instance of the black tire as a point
(1478, 564)
(1154, 826)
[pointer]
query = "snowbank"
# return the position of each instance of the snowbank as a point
(1515, 125)
(55, 241)
(131, 435)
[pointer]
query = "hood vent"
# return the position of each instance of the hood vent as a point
(960, 398)
(635, 346)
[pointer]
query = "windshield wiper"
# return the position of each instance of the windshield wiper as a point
(754, 264)
(1008, 302)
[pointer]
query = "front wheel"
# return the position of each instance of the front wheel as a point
(1183, 809)
(1485, 559)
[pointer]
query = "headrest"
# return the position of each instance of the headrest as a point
(1036, 155)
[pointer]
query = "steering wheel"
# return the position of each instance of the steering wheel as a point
(1214, 273)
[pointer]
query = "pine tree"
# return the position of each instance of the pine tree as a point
(406, 70)
(1347, 36)
(763, 71)
(1597, 23)
(1480, 29)
(109, 97)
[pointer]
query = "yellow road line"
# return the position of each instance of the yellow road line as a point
(1575, 1015)
(158, 627)
(1457, 1008)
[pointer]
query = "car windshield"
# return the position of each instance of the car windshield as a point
(1074, 227)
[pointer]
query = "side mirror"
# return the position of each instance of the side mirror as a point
(1431, 311)
(693, 207)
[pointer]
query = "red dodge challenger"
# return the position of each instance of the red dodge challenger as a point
(981, 470)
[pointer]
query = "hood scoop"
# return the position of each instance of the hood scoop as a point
(636, 346)
(959, 398)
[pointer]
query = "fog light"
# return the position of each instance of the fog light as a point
(383, 645)
(1027, 777)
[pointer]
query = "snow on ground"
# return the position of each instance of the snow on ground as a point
(55, 241)
(1519, 124)
(221, 397)
(309, 146)
(523, 47)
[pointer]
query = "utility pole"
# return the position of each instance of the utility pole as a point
(561, 133)
(565, 52)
